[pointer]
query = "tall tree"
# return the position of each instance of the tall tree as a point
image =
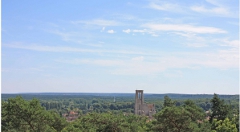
(196, 113)
(219, 110)
(173, 119)
(168, 102)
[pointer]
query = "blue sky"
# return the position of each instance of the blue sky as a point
(109, 46)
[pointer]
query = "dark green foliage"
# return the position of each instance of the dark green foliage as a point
(57, 122)
(168, 102)
(196, 113)
(236, 120)
(223, 118)
(175, 119)
(204, 126)
(172, 119)
(21, 115)
(219, 109)
(63, 102)
(108, 122)
(101, 113)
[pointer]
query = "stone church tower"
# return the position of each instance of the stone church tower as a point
(140, 107)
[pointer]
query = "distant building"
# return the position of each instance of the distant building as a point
(71, 116)
(140, 107)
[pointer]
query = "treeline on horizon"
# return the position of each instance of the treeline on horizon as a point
(52, 95)
(123, 102)
(30, 112)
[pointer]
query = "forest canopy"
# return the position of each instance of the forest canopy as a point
(103, 113)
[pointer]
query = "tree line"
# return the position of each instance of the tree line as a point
(19, 114)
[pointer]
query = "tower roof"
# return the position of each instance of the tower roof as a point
(139, 90)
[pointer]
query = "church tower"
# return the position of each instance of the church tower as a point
(139, 100)
(142, 108)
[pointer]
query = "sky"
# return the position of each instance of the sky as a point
(160, 46)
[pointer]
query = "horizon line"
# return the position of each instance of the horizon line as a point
(110, 93)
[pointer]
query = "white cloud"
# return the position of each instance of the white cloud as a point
(183, 28)
(153, 63)
(232, 43)
(220, 60)
(43, 48)
(143, 31)
(187, 35)
(68, 36)
(195, 40)
(127, 31)
(48, 48)
(196, 45)
(140, 58)
(229, 43)
(218, 8)
(154, 35)
(93, 62)
(223, 59)
(163, 6)
(214, 7)
(140, 31)
(103, 28)
(98, 22)
(111, 31)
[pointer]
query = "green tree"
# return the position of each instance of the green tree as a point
(224, 125)
(21, 115)
(219, 110)
(173, 119)
(168, 102)
(108, 122)
(204, 126)
(196, 113)
(57, 122)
